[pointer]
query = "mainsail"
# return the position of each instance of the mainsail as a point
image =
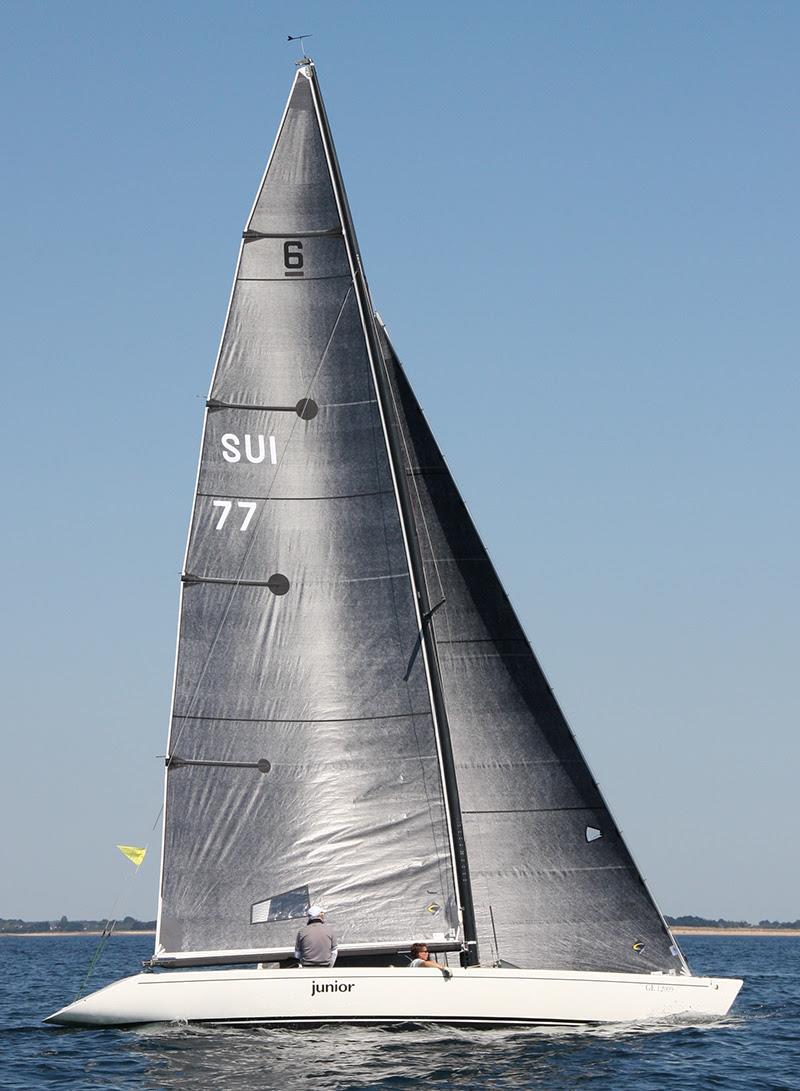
(303, 762)
(358, 718)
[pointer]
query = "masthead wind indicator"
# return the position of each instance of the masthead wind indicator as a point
(299, 38)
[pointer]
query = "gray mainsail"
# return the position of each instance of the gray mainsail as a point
(303, 758)
(553, 884)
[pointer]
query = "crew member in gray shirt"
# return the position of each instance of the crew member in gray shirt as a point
(316, 943)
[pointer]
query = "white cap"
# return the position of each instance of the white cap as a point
(315, 911)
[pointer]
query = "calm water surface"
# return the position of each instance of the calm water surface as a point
(754, 1049)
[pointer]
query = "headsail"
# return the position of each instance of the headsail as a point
(551, 876)
(302, 752)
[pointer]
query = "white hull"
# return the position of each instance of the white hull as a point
(366, 995)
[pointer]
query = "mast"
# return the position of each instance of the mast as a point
(462, 876)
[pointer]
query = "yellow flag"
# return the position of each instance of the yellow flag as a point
(134, 855)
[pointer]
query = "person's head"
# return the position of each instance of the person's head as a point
(419, 950)
(315, 912)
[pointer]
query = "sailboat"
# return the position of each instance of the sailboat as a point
(358, 719)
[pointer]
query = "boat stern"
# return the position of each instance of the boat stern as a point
(724, 991)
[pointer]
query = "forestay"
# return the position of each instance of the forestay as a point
(302, 761)
(553, 884)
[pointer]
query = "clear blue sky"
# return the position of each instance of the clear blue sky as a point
(580, 222)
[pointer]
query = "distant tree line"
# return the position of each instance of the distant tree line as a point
(130, 924)
(704, 922)
(124, 924)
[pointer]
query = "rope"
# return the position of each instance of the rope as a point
(109, 926)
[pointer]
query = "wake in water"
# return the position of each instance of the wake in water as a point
(340, 1057)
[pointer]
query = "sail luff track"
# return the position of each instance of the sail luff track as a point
(458, 843)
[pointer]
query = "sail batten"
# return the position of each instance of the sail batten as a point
(332, 232)
(336, 720)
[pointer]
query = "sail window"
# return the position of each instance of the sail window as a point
(278, 584)
(306, 409)
(592, 833)
(280, 907)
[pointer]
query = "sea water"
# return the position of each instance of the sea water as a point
(755, 1048)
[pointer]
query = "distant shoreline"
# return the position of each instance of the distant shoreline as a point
(676, 931)
(679, 930)
(116, 932)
